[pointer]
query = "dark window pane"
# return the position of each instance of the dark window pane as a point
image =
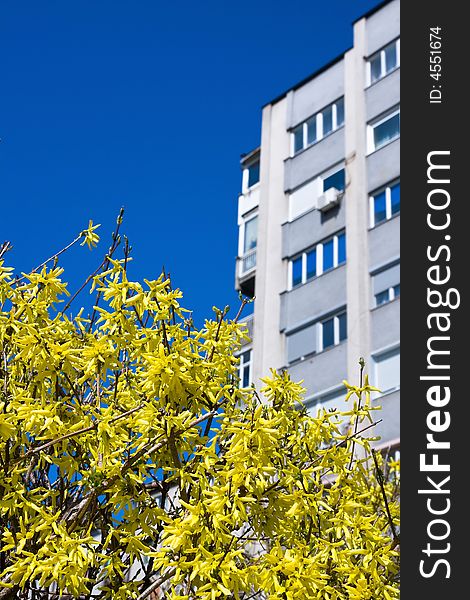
(379, 208)
(334, 181)
(395, 194)
(343, 329)
(312, 130)
(246, 376)
(298, 138)
(327, 120)
(297, 271)
(341, 248)
(382, 297)
(375, 68)
(386, 131)
(246, 356)
(253, 174)
(328, 333)
(390, 57)
(311, 264)
(396, 290)
(328, 255)
(340, 112)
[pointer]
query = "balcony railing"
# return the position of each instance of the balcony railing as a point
(247, 262)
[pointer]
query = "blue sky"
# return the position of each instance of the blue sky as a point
(148, 105)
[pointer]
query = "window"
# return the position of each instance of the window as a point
(328, 333)
(253, 174)
(251, 235)
(318, 126)
(311, 131)
(327, 120)
(333, 331)
(339, 107)
(316, 337)
(313, 262)
(384, 203)
(384, 130)
(336, 180)
(341, 249)
(297, 275)
(298, 135)
(251, 170)
(386, 285)
(328, 255)
(387, 295)
(387, 370)
(244, 369)
(383, 62)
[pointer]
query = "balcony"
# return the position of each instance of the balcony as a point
(245, 273)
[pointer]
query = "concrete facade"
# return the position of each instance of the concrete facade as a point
(326, 275)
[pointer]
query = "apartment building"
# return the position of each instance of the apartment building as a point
(319, 223)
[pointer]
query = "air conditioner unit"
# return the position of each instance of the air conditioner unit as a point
(329, 199)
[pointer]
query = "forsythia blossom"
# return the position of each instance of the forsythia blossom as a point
(131, 462)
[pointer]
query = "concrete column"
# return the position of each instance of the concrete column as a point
(271, 271)
(357, 207)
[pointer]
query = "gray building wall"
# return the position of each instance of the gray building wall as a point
(315, 95)
(385, 328)
(389, 427)
(313, 160)
(382, 27)
(314, 299)
(382, 95)
(280, 312)
(310, 228)
(384, 243)
(323, 371)
(383, 165)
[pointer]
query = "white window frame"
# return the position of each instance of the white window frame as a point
(336, 339)
(375, 123)
(242, 235)
(391, 295)
(246, 176)
(244, 364)
(319, 125)
(388, 203)
(319, 260)
(383, 65)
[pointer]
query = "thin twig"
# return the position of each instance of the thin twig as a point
(74, 433)
(51, 258)
(362, 365)
(380, 480)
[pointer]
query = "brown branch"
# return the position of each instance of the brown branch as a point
(74, 433)
(380, 480)
(87, 280)
(112, 249)
(240, 310)
(157, 583)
